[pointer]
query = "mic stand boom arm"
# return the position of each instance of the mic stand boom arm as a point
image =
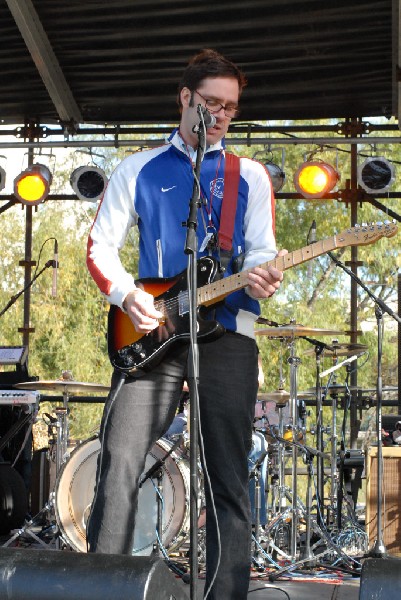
(378, 301)
(13, 299)
(379, 549)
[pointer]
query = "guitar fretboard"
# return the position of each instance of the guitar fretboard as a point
(216, 291)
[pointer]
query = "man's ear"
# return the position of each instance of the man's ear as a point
(187, 97)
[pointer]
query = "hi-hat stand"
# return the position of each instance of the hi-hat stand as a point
(294, 363)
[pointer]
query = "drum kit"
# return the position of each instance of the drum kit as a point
(285, 527)
(62, 520)
(295, 528)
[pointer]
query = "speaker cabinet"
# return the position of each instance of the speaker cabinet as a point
(380, 579)
(391, 495)
(27, 574)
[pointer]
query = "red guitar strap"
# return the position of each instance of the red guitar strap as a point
(229, 205)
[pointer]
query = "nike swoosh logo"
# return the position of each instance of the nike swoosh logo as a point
(168, 189)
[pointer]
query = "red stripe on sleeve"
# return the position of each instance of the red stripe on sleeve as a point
(101, 281)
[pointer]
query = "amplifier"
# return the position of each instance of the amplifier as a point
(391, 495)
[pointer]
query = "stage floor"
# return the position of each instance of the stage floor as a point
(307, 589)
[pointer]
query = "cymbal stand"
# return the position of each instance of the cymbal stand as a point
(319, 436)
(280, 502)
(63, 434)
(61, 451)
(308, 558)
(294, 362)
(332, 511)
(333, 506)
(281, 459)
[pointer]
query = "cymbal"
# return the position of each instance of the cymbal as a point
(279, 396)
(340, 350)
(295, 330)
(64, 386)
(331, 390)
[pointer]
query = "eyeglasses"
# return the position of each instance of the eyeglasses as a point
(230, 110)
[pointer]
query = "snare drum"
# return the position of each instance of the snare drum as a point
(75, 491)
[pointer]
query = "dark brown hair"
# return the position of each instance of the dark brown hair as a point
(209, 63)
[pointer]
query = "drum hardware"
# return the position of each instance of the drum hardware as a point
(156, 472)
(281, 461)
(36, 521)
(75, 490)
(278, 533)
(288, 333)
(255, 474)
(276, 527)
(318, 350)
(279, 396)
(295, 525)
(335, 498)
(294, 363)
(59, 431)
(337, 349)
(58, 428)
(293, 330)
(346, 461)
(379, 549)
(309, 558)
(66, 385)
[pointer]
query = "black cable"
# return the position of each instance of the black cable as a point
(349, 571)
(40, 253)
(270, 587)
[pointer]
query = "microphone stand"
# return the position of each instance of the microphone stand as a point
(13, 299)
(379, 549)
(156, 472)
(193, 365)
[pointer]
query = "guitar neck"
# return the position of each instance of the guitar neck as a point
(218, 290)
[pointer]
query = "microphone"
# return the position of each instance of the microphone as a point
(207, 118)
(55, 267)
(312, 233)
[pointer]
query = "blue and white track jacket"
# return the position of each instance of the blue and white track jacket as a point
(152, 190)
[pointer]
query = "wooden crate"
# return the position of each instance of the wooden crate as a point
(391, 498)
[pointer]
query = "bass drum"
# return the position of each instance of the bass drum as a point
(75, 491)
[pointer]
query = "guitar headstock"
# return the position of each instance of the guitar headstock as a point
(361, 235)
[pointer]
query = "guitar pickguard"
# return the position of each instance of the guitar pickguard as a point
(130, 351)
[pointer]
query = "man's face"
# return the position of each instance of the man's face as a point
(222, 90)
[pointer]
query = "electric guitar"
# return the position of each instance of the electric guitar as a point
(129, 350)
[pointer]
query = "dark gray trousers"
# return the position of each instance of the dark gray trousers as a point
(142, 413)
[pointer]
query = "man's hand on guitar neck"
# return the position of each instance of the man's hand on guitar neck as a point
(140, 308)
(263, 283)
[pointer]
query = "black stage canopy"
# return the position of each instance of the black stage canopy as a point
(119, 61)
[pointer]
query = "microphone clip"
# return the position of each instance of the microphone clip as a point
(207, 120)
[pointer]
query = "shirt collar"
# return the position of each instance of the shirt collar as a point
(176, 140)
